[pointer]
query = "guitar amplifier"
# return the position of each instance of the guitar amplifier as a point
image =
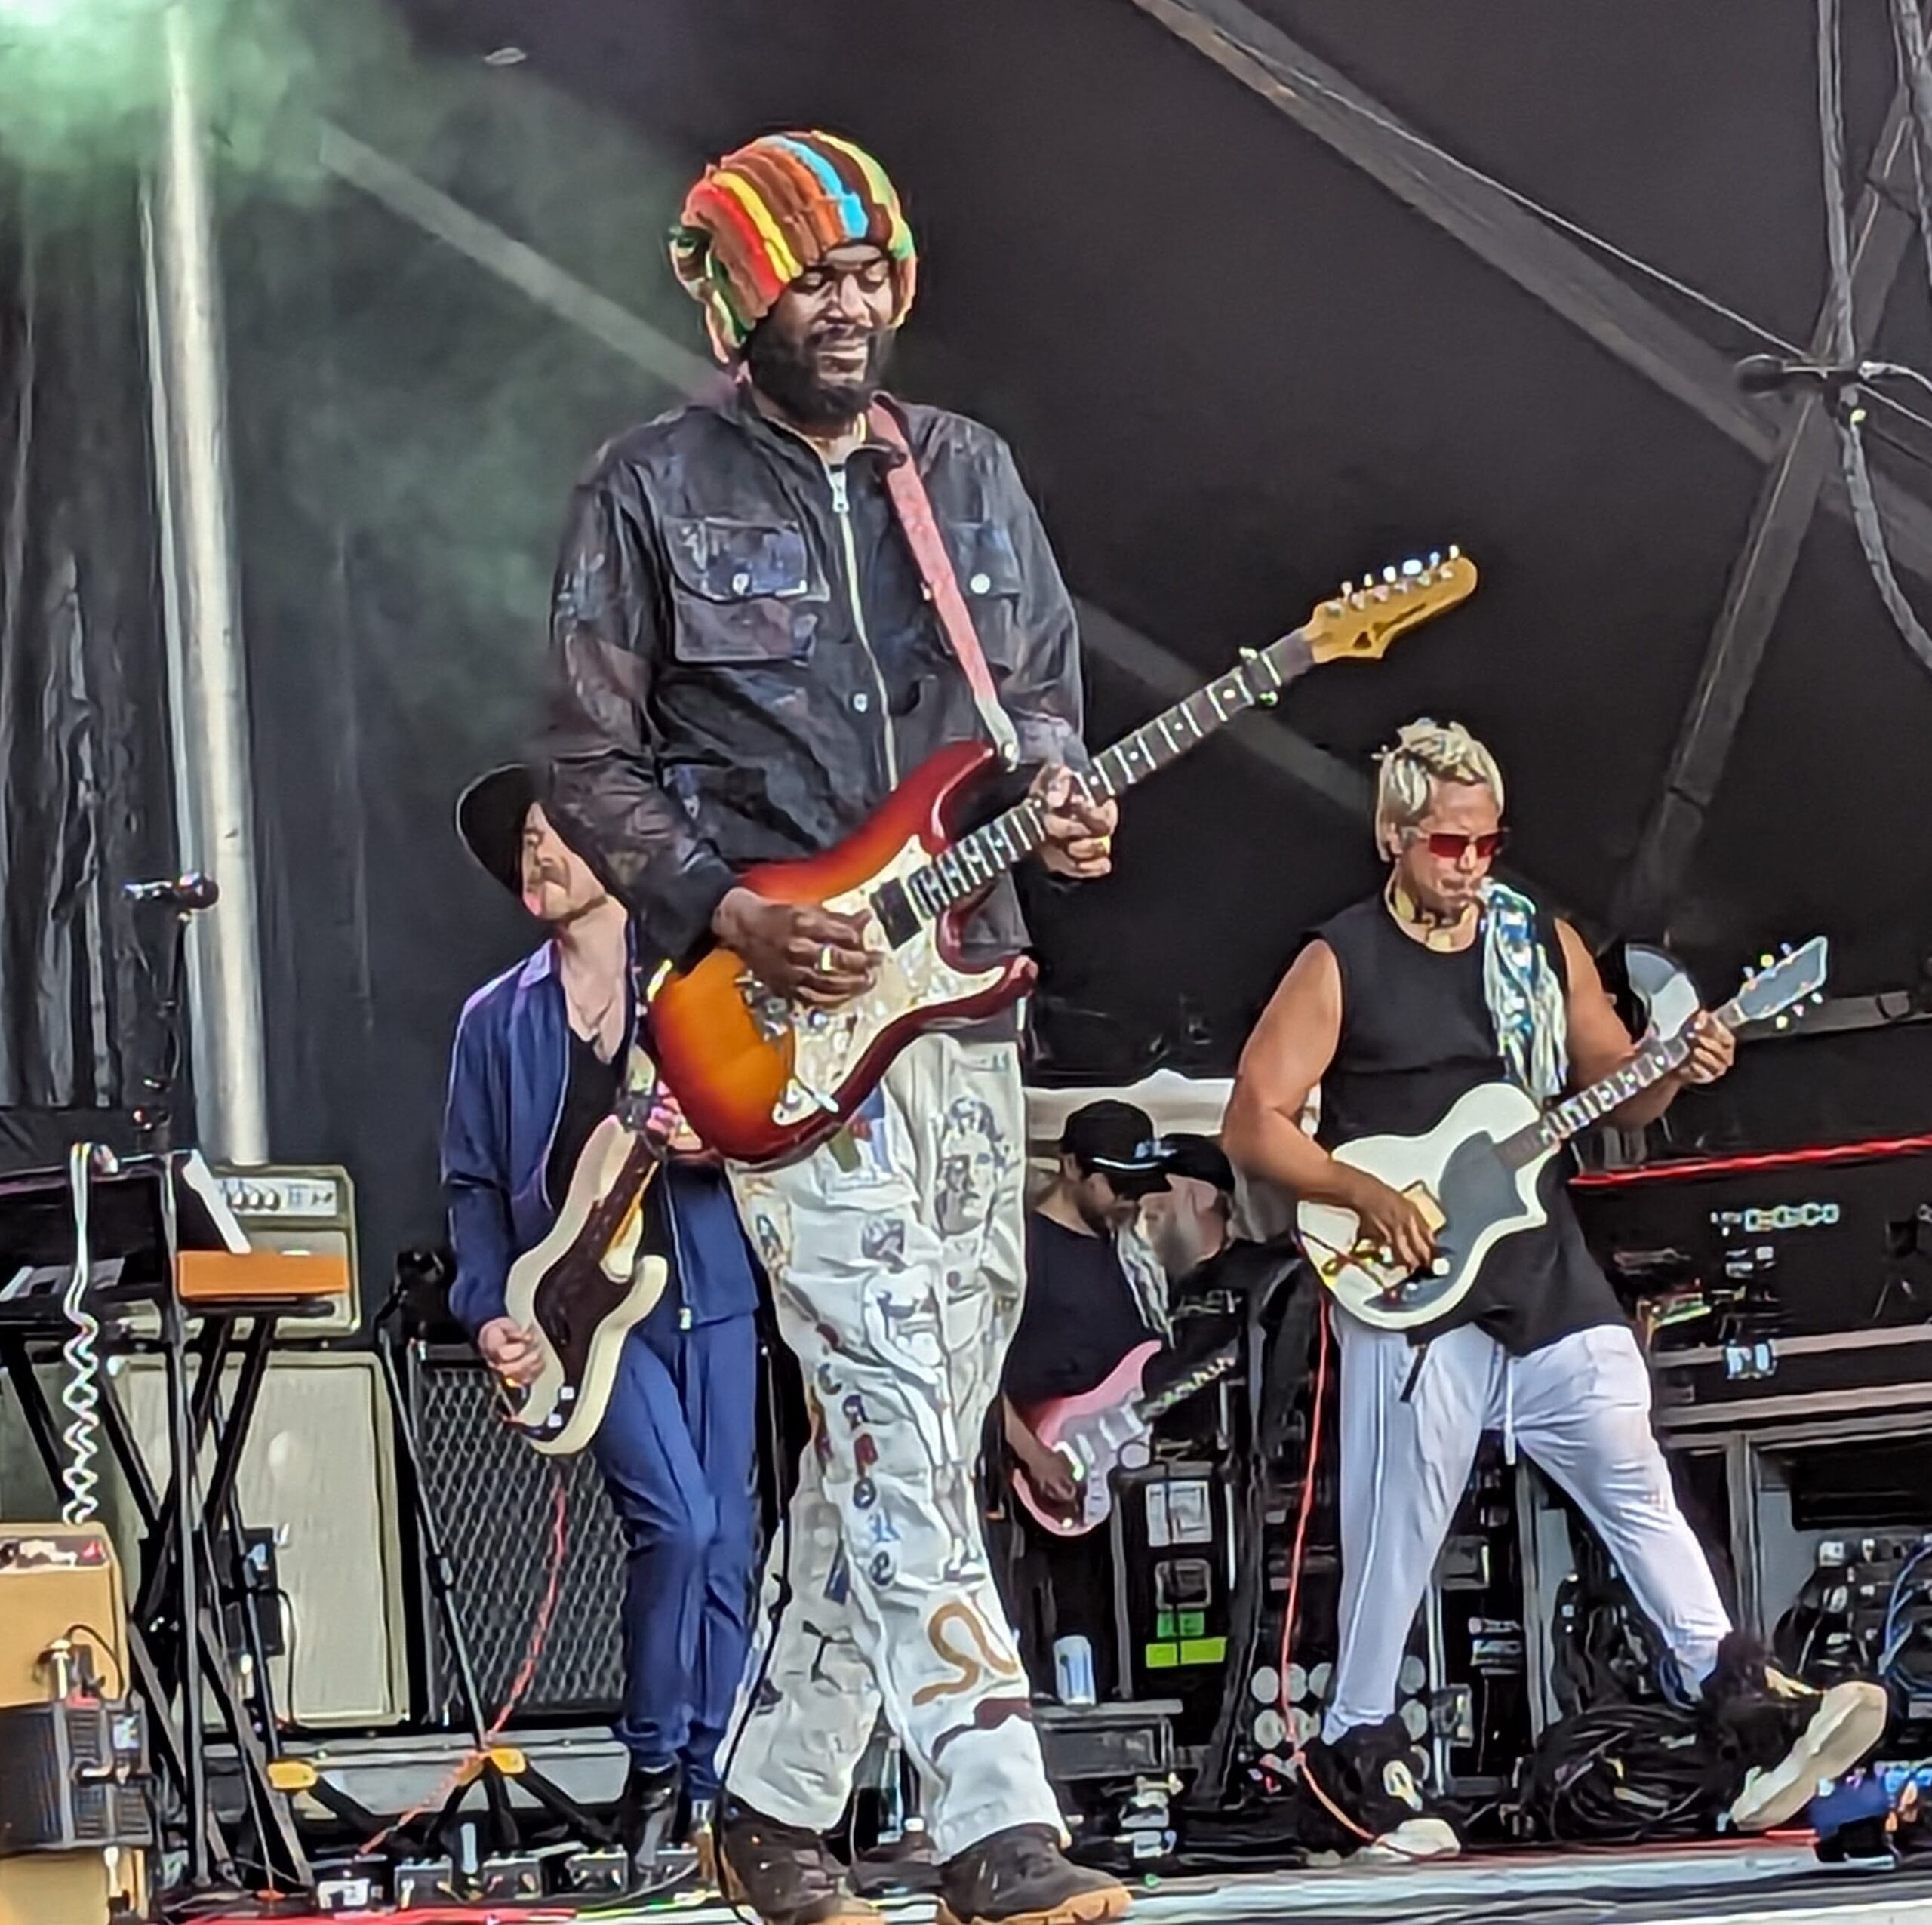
(59, 1584)
(1776, 1285)
(305, 1215)
(494, 1500)
(317, 1490)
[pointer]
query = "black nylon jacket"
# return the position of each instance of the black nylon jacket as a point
(745, 661)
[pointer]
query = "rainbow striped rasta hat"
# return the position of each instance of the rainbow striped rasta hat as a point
(763, 215)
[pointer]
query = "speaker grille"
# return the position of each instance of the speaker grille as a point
(492, 1497)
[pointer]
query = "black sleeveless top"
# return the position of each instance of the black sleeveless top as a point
(1417, 1034)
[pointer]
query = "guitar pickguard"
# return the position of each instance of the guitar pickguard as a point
(828, 1045)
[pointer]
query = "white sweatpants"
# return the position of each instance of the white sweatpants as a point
(1579, 1408)
(897, 1255)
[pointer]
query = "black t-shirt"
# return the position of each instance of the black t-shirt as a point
(590, 1093)
(1417, 1035)
(1081, 1316)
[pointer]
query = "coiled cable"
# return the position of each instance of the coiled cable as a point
(81, 1395)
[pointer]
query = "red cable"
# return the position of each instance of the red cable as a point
(526, 1674)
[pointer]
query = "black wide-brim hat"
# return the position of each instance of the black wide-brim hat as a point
(490, 815)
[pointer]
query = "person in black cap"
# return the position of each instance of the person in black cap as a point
(1094, 1292)
(1190, 1223)
(536, 1067)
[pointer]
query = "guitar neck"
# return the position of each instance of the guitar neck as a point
(1562, 1121)
(1223, 1360)
(989, 851)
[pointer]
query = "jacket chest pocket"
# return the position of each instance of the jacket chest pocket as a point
(742, 592)
(983, 559)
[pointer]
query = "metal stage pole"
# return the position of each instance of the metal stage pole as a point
(206, 675)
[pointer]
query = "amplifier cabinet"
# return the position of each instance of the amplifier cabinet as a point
(317, 1472)
(494, 1500)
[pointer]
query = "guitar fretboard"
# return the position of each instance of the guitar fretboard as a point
(1562, 1121)
(985, 854)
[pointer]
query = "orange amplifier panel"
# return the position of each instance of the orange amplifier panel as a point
(208, 1278)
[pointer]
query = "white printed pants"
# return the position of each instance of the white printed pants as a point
(1579, 1408)
(896, 1253)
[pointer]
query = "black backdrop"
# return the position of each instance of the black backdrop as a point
(1233, 369)
(85, 784)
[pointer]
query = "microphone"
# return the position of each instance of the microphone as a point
(1773, 373)
(187, 892)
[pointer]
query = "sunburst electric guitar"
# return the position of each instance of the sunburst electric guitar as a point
(763, 1079)
(1474, 1175)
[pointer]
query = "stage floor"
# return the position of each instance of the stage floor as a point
(1741, 1885)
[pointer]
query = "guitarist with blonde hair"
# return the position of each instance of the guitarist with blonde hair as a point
(1444, 980)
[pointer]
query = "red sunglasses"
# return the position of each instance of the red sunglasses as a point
(1446, 846)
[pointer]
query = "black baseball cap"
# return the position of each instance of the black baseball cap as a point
(1203, 1159)
(490, 815)
(1116, 1141)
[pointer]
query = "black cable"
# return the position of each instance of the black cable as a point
(1866, 520)
(103, 1642)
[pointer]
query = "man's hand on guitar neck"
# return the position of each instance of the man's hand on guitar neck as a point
(798, 949)
(1079, 832)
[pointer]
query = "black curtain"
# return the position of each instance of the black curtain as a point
(85, 786)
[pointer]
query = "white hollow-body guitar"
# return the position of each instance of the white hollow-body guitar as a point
(1474, 1176)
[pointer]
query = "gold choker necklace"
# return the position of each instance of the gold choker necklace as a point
(1432, 930)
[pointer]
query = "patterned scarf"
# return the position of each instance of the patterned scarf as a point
(1523, 992)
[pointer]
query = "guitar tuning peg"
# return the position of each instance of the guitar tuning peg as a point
(1332, 607)
(1411, 567)
(1784, 949)
(1455, 553)
(1784, 1022)
(1348, 590)
(1435, 558)
(1387, 574)
(1766, 959)
(1817, 998)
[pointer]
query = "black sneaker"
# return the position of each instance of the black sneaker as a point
(1368, 1797)
(1786, 1739)
(783, 1873)
(1020, 1876)
(646, 1827)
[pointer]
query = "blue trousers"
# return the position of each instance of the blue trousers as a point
(676, 1449)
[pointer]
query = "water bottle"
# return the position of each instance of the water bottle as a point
(1073, 1670)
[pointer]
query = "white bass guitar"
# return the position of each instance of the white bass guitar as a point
(1474, 1175)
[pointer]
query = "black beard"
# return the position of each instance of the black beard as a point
(782, 371)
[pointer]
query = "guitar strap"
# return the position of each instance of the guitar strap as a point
(914, 508)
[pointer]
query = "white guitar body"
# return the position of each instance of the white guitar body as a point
(1469, 1198)
(583, 1300)
(1471, 1194)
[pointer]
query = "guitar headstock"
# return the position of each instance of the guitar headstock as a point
(1366, 617)
(1780, 983)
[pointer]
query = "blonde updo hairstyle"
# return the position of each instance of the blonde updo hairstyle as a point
(1424, 752)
